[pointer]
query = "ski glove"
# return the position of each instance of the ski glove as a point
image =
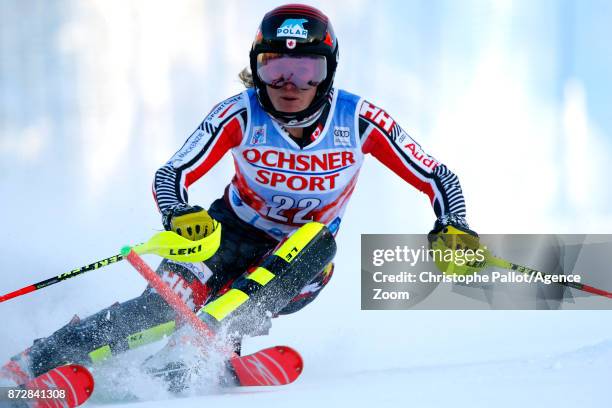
(457, 247)
(192, 222)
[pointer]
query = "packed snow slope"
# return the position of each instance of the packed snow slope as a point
(96, 97)
(577, 378)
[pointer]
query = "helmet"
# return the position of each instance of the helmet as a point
(296, 30)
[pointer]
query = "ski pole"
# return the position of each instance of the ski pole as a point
(171, 298)
(502, 263)
(166, 244)
(59, 278)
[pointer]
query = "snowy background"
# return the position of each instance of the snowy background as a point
(513, 96)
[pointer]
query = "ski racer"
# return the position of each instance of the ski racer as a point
(298, 145)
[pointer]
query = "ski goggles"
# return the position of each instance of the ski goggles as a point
(303, 71)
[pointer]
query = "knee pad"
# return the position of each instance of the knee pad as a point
(281, 276)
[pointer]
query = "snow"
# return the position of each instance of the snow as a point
(577, 378)
(83, 128)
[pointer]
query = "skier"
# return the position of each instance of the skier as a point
(298, 144)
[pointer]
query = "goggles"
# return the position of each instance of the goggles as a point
(303, 71)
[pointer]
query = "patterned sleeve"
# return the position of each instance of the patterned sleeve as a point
(382, 137)
(221, 130)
